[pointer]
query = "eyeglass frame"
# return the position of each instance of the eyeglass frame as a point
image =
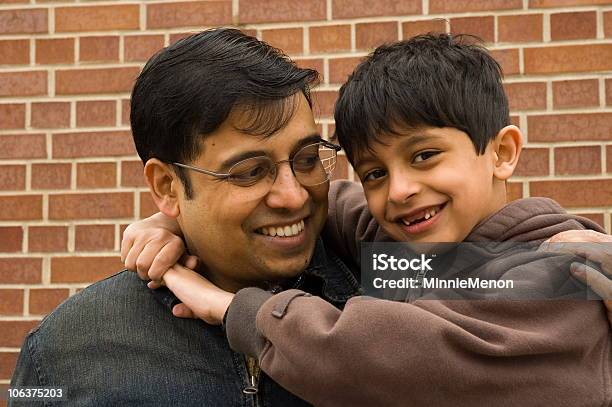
(225, 176)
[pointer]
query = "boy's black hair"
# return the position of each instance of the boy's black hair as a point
(187, 90)
(434, 80)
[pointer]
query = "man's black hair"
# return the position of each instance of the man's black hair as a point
(187, 90)
(433, 80)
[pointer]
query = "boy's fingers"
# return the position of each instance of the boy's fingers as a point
(164, 258)
(182, 311)
(133, 254)
(594, 279)
(154, 285)
(191, 262)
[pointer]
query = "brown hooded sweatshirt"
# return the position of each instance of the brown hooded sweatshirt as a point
(430, 352)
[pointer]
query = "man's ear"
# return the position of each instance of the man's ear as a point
(508, 145)
(163, 185)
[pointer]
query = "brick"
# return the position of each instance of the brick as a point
(570, 127)
(47, 239)
(12, 177)
(577, 160)
(573, 26)
(21, 207)
(570, 58)
(323, 103)
(365, 8)
(12, 116)
(520, 28)
(45, 300)
(91, 206)
(607, 17)
(96, 175)
(96, 49)
(23, 146)
(8, 361)
(371, 35)
(575, 193)
(20, 270)
(179, 36)
(413, 28)
(84, 81)
(14, 52)
(595, 217)
(526, 95)
(186, 14)
(514, 190)
(268, 11)
(481, 27)
(147, 205)
(51, 176)
(290, 40)
(330, 38)
(563, 3)
(141, 47)
(97, 18)
(14, 332)
(132, 174)
(94, 237)
(93, 144)
(462, 6)
(125, 111)
(55, 51)
(609, 159)
(96, 113)
(578, 93)
(83, 269)
(11, 302)
(515, 120)
(608, 84)
(11, 238)
(50, 115)
(533, 162)
(341, 68)
(32, 83)
(508, 59)
(342, 168)
(25, 21)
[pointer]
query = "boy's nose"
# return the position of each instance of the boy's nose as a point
(401, 189)
(286, 192)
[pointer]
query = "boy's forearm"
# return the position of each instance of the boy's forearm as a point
(378, 352)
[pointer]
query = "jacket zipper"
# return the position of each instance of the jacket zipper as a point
(253, 372)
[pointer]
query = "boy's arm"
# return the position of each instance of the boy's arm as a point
(349, 222)
(378, 352)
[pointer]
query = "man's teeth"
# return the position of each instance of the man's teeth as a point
(283, 231)
(425, 214)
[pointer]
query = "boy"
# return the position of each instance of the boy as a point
(425, 124)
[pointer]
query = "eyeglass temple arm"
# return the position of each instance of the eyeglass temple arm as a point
(203, 171)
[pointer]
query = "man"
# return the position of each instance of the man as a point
(224, 125)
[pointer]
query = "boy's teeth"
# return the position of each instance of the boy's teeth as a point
(426, 214)
(289, 230)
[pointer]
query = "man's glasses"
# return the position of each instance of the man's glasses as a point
(311, 165)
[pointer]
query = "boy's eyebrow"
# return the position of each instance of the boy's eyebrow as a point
(225, 165)
(418, 138)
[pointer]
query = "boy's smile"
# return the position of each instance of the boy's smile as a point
(429, 184)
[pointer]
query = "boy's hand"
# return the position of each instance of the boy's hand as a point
(153, 245)
(201, 298)
(601, 253)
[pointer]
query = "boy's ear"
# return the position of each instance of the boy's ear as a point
(163, 181)
(508, 145)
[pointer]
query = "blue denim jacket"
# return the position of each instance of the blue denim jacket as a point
(115, 344)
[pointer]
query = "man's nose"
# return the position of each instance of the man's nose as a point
(286, 192)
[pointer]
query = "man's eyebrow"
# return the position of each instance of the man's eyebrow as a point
(226, 165)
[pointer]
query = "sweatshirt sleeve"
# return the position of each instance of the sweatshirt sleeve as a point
(349, 220)
(442, 353)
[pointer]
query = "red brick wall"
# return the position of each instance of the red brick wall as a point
(69, 177)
